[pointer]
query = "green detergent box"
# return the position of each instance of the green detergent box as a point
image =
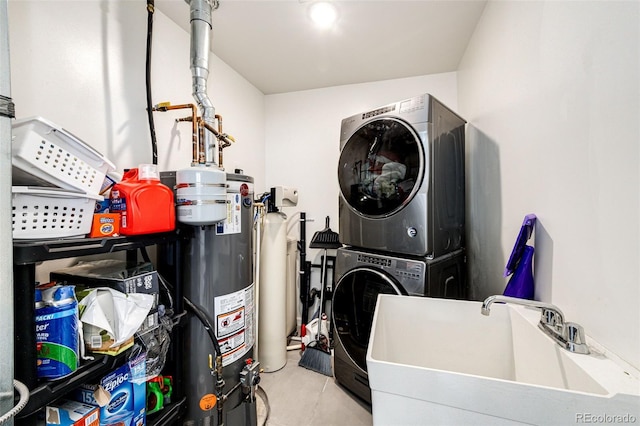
(120, 394)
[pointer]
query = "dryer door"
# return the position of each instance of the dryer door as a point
(381, 167)
(354, 302)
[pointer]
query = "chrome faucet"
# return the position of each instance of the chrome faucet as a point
(569, 335)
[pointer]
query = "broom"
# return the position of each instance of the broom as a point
(304, 277)
(317, 355)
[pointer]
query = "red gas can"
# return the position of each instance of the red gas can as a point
(145, 205)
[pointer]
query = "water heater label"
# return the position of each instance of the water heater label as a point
(232, 224)
(235, 324)
(230, 322)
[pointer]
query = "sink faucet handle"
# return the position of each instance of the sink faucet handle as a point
(568, 335)
(552, 318)
(575, 338)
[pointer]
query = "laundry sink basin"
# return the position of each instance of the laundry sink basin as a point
(439, 361)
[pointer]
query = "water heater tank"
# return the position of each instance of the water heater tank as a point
(218, 277)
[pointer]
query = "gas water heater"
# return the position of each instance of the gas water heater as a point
(217, 277)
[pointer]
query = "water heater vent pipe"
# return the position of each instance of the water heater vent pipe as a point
(200, 16)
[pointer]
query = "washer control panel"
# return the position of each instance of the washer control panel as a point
(374, 260)
(409, 273)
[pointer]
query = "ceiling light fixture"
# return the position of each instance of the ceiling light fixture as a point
(323, 14)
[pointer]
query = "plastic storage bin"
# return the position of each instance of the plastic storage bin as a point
(48, 152)
(39, 213)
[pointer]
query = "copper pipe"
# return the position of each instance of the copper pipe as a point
(194, 130)
(194, 124)
(201, 154)
(224, 138)
(220, 147)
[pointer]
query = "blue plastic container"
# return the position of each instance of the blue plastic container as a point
(56, 332)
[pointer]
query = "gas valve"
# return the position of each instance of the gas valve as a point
(250, 377)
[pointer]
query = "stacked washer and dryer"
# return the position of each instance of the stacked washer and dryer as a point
(402, 219)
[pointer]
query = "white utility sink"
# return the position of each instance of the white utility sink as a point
(441, 362)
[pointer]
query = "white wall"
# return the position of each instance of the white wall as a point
(303, 137)
(551, 91)
(81, 64)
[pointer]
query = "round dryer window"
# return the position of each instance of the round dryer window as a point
(380, 167)
(354, 303)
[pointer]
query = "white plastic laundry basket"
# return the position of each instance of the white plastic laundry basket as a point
(39, 213)
(49, 152)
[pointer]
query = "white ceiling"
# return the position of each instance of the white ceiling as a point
(275, 46)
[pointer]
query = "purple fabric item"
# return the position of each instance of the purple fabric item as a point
(523, 236)
(521, 284)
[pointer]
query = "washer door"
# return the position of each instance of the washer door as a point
(354, 302)
(381, 167)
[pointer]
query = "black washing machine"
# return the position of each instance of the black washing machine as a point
(360, 277)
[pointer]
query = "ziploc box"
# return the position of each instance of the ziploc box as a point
(120, 394)
(71, 413)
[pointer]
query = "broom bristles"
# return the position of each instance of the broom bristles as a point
(317, 360)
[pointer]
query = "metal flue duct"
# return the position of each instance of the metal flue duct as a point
(200, 16)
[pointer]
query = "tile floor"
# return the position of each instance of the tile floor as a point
(301, 397)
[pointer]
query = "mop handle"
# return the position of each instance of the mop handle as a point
(323, 280)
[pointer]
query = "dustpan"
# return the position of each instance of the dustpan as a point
(325, 239)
